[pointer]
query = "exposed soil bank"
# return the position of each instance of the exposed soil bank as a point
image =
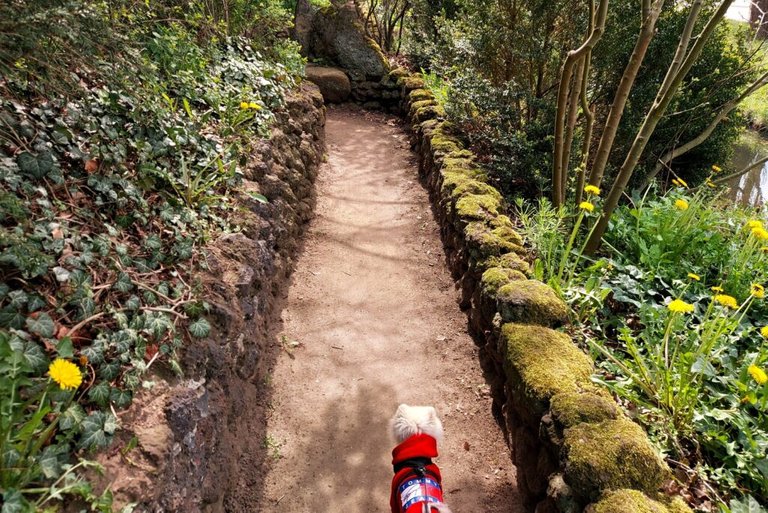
(371, 320)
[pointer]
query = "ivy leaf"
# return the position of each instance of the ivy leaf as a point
(41, 325)
(72, 417)
(200, 328)
(123, 283)
(11, 318)
(121, 398)
(36, 166)
(14, 502)
(64, 348)
(258, 197)
(35, 356)
(97, 429)
(51, 459)
(99, 394)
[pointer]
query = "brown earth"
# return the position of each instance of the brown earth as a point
(371, 320)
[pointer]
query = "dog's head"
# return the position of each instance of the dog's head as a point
(414, 420)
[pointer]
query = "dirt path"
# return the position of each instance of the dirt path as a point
(371, 321)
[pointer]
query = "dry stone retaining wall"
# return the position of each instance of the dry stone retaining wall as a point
(196, 436)
(574, 448)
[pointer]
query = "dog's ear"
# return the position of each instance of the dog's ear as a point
(432, 413)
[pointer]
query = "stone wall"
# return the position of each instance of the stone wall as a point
(195, 435)
(574, 448)
(336, 38)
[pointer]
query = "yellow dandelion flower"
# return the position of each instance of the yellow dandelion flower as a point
(726, 300)
(586, 205)
(764, 331)
(753, 223)
(757, 290)
(65, 373)
(694, 277)
(591, 189)
(680, 306)
(681, 204)
(716, 168)
(716, 289)
(243, 105)
(710, 183)
(758, 374)
(760, 233)
(680, 182)
(254, 106)
(675, 181)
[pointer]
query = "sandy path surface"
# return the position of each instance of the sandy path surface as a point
(371, 321)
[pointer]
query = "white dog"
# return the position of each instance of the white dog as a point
(417, 485)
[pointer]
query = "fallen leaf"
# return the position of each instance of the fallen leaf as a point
(91, 166)
(466, 446)
(62, 332)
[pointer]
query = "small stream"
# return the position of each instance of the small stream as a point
(751, 188)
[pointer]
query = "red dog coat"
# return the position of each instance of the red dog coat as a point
(417, 480)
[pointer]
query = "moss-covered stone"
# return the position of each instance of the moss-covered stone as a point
(442, 144)
(455, 177)
(428, 112)
(496, 277)
(633, 501)
(482, 242)
(478, 207)
(508, 261)
(411, 82)
(397, 73)
(546, 362)
(593, 405)
(611, 455)
(531, 302)
(473, 186)
(507, 233)
(418, 95)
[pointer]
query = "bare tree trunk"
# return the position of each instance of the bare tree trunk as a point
(758, 17)
(574, 56)
(650, 14)
(669, 87)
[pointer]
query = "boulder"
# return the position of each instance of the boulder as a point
(338, 35)
(334, 84)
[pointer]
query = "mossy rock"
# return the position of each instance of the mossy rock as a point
(633, 501)
(611, 455)
(473, 186)
(478, 207)
(455, 177)
(531, 302)
(592, 406)
(496, 277)
(429, 112)
(442, 144)
(508, 261)
(411, 82)
(482, 242)
(545, 362)
(418, 95)
(415, 106)
(462, 159)
(508, 234)
(397, 73)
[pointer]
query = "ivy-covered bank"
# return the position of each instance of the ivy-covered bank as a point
(574, 448)
(143, 215)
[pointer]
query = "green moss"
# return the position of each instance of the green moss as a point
(545, 361)
(496, 277)
(633, 501)
(453, 178)
(531, 302)
(478, 207)
(508, 261)
(418, 95)
(474, 186)
(411, 82)
(398, 73)
(428, 112)
(594, 405)
(482, 242)
(443, 144)
(612, 454)
(507, 233)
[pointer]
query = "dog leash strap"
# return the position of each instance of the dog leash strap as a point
(414, 463)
